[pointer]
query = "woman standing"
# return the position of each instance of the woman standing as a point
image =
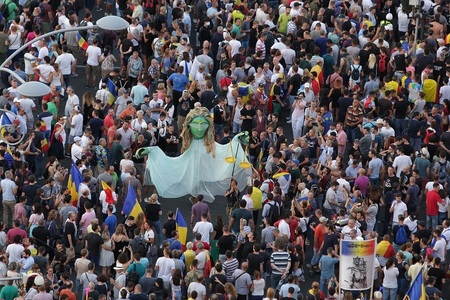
(35, 218)
(153, 212)
(107, 61)
(57, 78)
(106, 253)
(298, 115)
(232, 195)
(175, 284)
(402, 267)
(258, 286)
(120, 240)
(14, 42)
(390, 284)
(371, 67)
(138, 124)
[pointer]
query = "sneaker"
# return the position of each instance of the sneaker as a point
(99, 9)
(288, 121)
(74, 75)
(307, 242)
(41, 178)
(308, 266)
(67, 155)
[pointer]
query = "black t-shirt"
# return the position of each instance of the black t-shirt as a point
(439, 70)
(388, 182)
(169, 226)
(130, 230)
(69, 228)
(207, 99)
(253, 151)
(225, 140)
(254, 261)
(171, 146)
(225, 243)
(184, 107)
(439, 274)
(38, 137)
(222, 278)
(126, 46)
(218, 115)
(329, 241)
(303, 155)
(295, 81)
(152, 211)
(160, 19)
(401, 108)
(247, 124)
(58, 254)
(30, 192)
(400, 62)
(96, 125)
(94, 242)
(344, 103)
(140, 296)
(41, 234)
(423, 233)
(327, 17)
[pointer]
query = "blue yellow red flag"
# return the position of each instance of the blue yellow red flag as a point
(131, 206)
(181, 228)
(417, 289)
(74, 182)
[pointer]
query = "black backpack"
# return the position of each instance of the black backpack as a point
(274, 213)
(139, 246)
(133, 276)
(355, 72)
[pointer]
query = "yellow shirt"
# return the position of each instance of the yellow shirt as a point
(391, 86)
(257, 198)
(189, 256)
(429, 87)
(236, 14)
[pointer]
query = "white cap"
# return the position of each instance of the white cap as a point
(307, 85)
(76, 139)
(16, 100)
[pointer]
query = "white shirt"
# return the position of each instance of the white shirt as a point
(235, 45)
(65, 61)
(77, 123)
(14, 252)
(43, 52)
(71, 102)
(346, 232)
(399, 209)
(205, 229)
(260, 16)
(249, 201)
(199, 288)
(400, 162)
(387, 132)
(76, 152)
(165, 267)
(28, 105)
(445, 93)
(44, 71)
(29, 60)
(439, 248)
(93, 54)
(284, 229)
(446, 233)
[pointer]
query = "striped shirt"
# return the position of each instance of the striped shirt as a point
(353, 114)
(281, 259)
(260, 46)
(229, 266)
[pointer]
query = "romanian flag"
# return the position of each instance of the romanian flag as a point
(82, 42)
(108, 191)
(131, 206)
(417, 289)
(44, 145)
(181, 228)
(260, 157)
(74, 182)
(112, 91)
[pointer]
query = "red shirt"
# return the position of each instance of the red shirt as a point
(69, 294)
(108, 123)
(319, 235)
(16, 231)
(433, 199)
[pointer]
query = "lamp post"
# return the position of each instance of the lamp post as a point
(113, 23)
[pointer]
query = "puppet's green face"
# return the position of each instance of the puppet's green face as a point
(198, 126)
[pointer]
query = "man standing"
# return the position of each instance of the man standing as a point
(280, 261)
(93, 54)
(9, 190)
(432, 200)
(70, 230)
(204, 227)
(242, 281)
(326, 265)
(198, 209)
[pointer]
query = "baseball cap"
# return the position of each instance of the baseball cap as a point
(76, 139)
(295, 161)
(261, 85)
(125, 91)
(307, 85)
(380, 121)
(323, 220)
(16, 100)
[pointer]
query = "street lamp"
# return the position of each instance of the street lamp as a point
(33, 89)
(108, 22)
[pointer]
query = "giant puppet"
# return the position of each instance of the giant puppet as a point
(204, 167)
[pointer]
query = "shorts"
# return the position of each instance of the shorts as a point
(94, 70)
(140, 168)
(74, 49)
(147, 178)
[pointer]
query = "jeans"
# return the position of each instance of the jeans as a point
(274, 280)
(389, 294)
(158, 229)
(441, 217)
(416, 143)
(400, 126)
(315, 259)
(324, 284)
(353, 133)
(236, 128)
(40, 165)
(432, 222)
(374, 181)
(66, 80)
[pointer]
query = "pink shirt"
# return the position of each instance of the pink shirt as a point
(341, 137)
(86, 220)
(19, 212)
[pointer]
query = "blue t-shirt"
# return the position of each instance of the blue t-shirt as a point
(179, 81)
(111, 222)
(327, 263)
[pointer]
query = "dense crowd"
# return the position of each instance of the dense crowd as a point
(364, 92)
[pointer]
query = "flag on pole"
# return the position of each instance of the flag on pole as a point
(74, 182)
(417, 289)
(112, 91)
(181, 228)
(6, 120)
(131, 206)
(82, 42)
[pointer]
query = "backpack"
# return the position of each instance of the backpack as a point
(442, 171)
(133, 276)
(400, 236)
(382, 63)
(83, 33)
(222, 49)
(355, 72)
(139, 246)
(5, 10)
(274, 213)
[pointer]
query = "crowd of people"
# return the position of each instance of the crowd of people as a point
(365, 95)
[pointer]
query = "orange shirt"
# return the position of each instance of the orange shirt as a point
(319, 235)
(69, 293)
